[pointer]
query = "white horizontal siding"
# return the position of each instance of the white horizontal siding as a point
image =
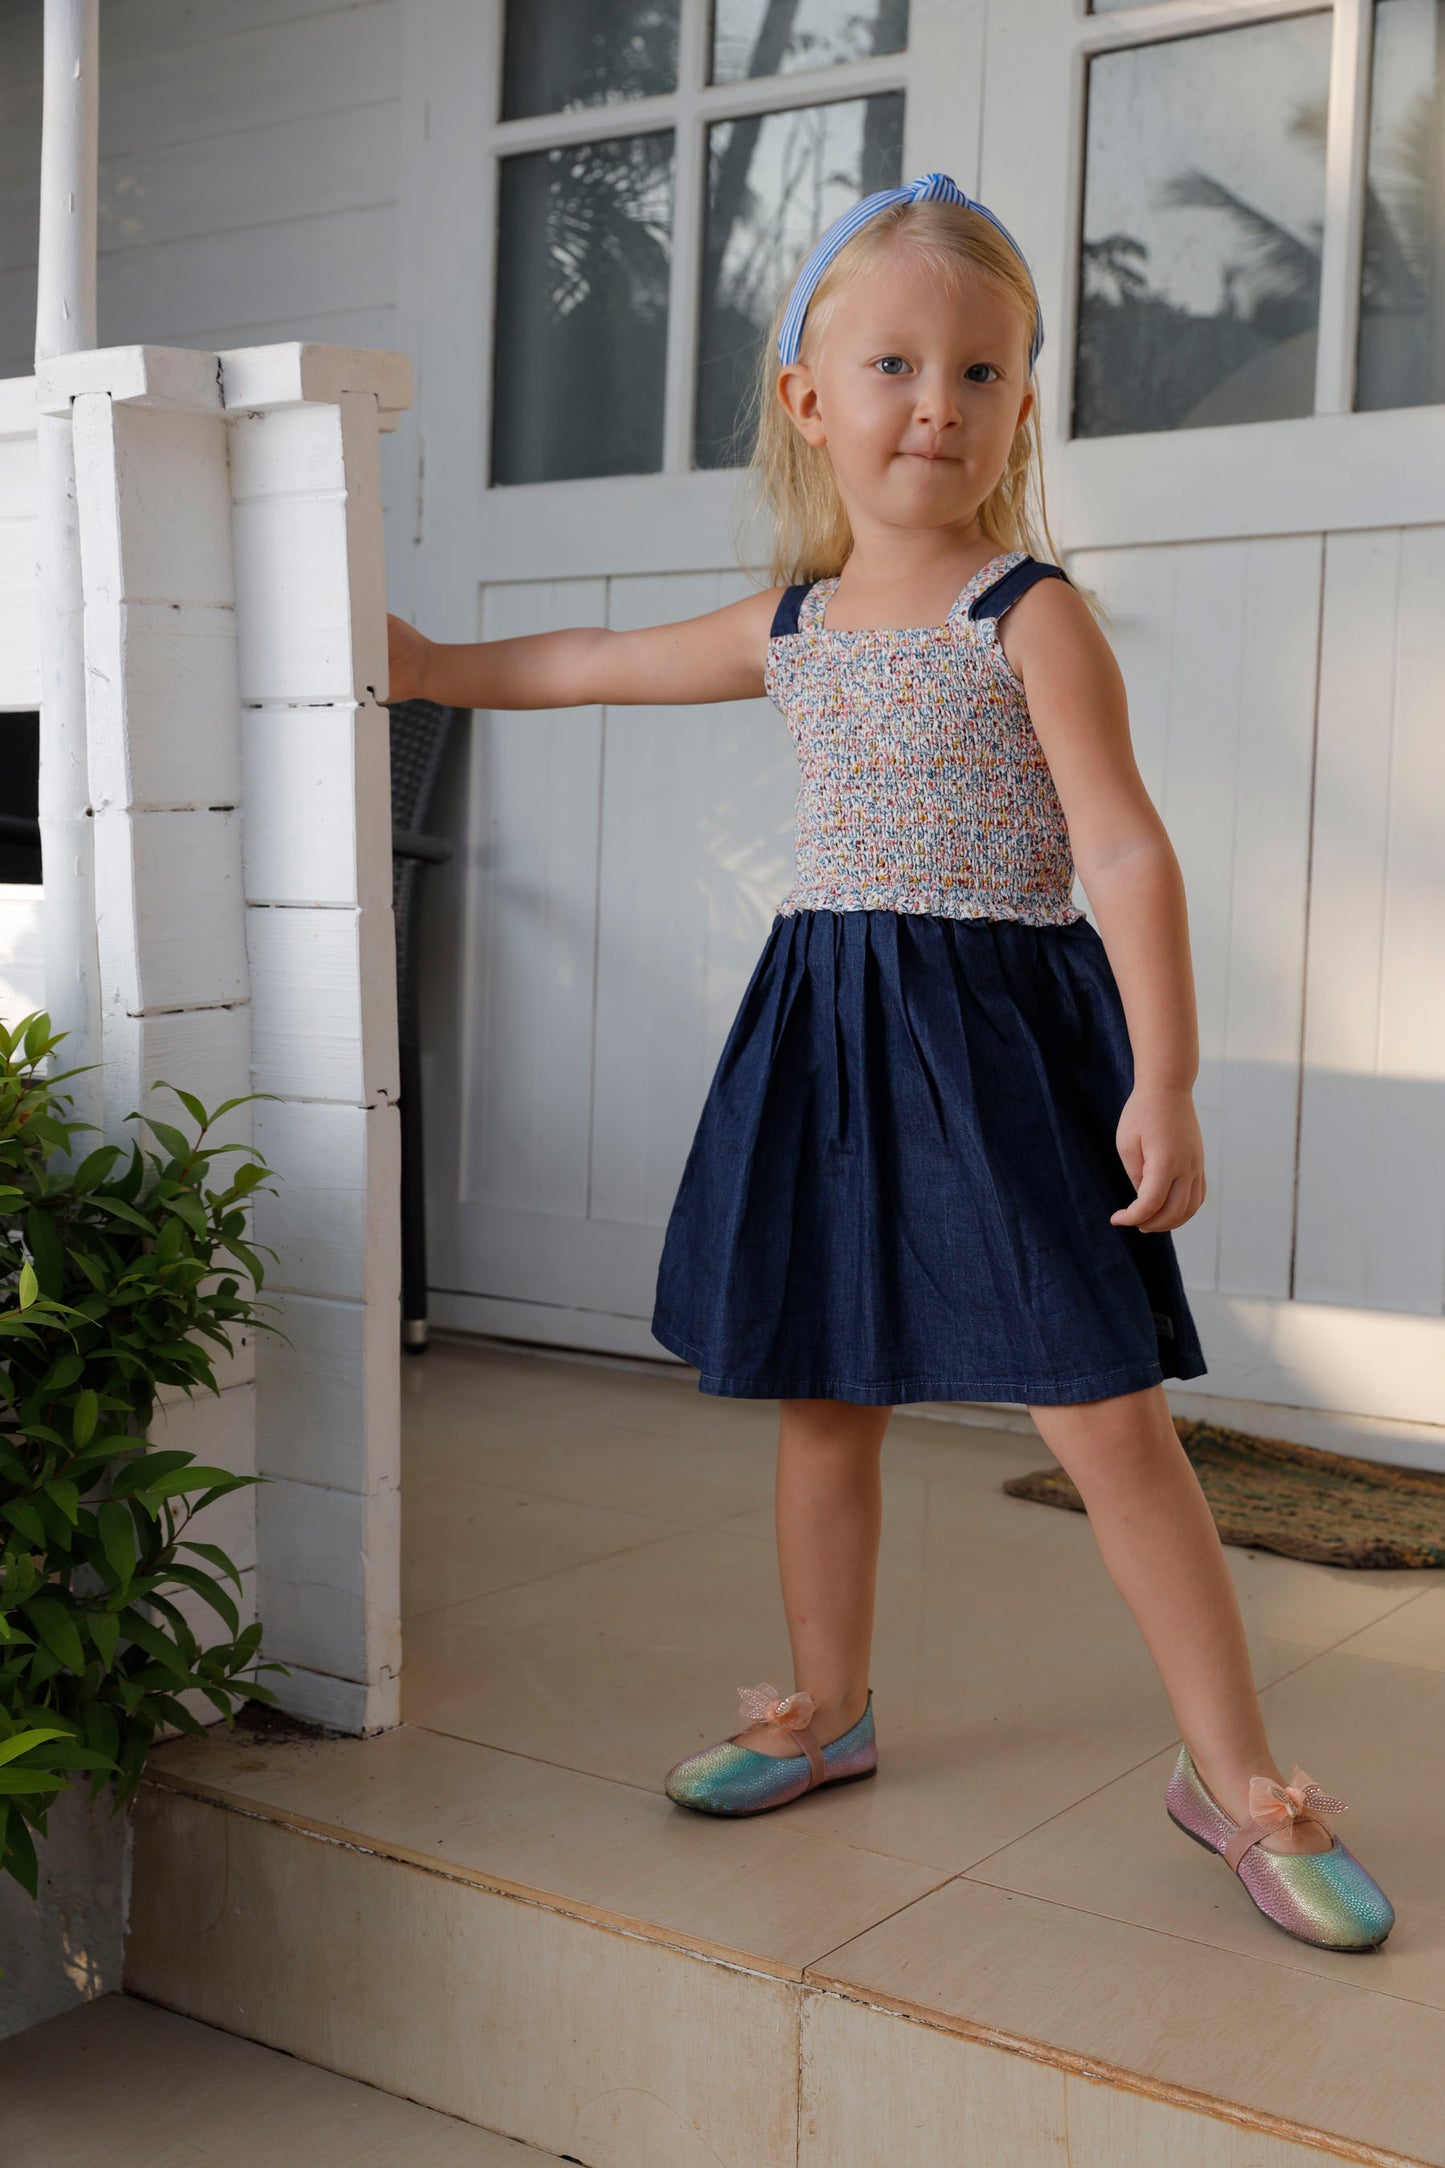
(248, 171)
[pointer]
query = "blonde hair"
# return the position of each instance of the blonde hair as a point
(812, 538)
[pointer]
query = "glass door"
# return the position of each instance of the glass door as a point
(1237, 212)
(623, 186)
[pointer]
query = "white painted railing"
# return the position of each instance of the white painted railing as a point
(235, 649)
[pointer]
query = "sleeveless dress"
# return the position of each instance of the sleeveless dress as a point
(903, 1171)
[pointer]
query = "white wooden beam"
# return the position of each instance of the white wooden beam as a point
(303, 424)
(64, 321)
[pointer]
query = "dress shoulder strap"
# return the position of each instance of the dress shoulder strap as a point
(1007, 589)
(785, 617)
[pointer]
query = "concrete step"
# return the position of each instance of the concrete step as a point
(572, 1962)
(120, 2084)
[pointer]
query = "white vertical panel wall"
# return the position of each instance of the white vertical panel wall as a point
(623, 868)
(1217, 644)
(1372, 1136)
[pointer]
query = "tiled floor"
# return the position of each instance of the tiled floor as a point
(118, 2084)
(590, 1574)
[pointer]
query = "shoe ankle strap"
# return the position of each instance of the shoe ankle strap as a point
(1242, 1840)
(803, 1737)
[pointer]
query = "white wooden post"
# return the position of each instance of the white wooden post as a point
(311, 609)
(235, 631)
(163, 730)
(65, 323)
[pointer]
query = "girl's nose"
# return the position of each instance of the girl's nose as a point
(936, 401)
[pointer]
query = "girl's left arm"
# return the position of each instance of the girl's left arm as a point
(1132, 879)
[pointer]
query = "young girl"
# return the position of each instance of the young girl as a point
(952, 1125)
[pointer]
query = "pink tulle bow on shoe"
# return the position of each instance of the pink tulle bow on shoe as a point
(1272, 1805)
(765, 1705)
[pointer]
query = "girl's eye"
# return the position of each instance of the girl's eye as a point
(981, 379)
(891, 364)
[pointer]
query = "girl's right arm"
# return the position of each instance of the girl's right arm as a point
(719, 656)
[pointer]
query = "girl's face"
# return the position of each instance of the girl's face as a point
(917, 392)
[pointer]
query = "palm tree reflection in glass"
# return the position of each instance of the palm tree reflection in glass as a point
(1147, 360)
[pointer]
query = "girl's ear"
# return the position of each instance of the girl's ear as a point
(1026, 407)
(798, 397)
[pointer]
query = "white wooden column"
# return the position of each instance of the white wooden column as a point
(303, 423)
(163, 738)
(235, 642)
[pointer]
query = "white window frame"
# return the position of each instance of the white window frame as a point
(943, 45)
(1333, 468)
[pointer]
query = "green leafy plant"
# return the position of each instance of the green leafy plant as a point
(119, 1275)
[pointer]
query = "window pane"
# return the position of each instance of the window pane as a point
(776, 37)
(584, 244)
(1203, 209)
(564, 53)
(774, 183)
(1402, 292)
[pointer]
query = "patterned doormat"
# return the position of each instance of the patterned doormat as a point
(1268, 1495)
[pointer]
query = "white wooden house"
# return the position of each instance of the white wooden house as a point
(569, 221)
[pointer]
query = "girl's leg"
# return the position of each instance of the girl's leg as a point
(830, 1516)
(1159, 1543)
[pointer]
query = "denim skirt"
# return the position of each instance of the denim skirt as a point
(902, 1176)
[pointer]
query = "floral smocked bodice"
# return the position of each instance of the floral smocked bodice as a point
(923, 786)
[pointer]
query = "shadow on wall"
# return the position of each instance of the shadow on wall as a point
(66, 1946)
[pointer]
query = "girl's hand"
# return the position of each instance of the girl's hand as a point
(408, 658)
(1159, 1141)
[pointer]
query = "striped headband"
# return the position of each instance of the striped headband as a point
(930, 188)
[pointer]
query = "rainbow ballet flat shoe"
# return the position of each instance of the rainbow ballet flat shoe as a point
(1326, 1898)
(733, 1779)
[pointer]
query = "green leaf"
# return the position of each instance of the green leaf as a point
(112, 1204)
(17, 1781)
(209, 1591)
(175, 1712)
(18, 1857)
(55, 1625)
(95, 1167)
(117, 1540)
(216, 1557)
(178, 1146)
(70, 1754)
(245, 1256)
(215, 1481)
(47, 1250)
(141, 1472)
(62, 1374)
(87, 1410)
(188, 1100)
(155, 1643)
(102, 1731)
(11, 1749)
(65, 1495)
(187, 1206)
(23, 1516)
(37, 1035)
(104, 1630)
(29, 1286)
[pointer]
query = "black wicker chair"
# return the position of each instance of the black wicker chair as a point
(420, 733)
